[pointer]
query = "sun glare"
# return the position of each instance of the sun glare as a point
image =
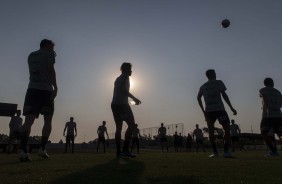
(132, 83)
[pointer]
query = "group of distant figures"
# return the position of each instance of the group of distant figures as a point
(42, 91)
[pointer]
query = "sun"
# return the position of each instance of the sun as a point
(132, 83)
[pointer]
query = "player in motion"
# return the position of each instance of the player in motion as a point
(163, 138)
(122, 111)
(271, 115)
(214, 110)
(235, 135)
(40, 95)
(101, 135)
(71, 134)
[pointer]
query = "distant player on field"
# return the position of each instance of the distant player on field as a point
(235, 135)
(122, 111)
(101, 136)
(135, 138)
(71, 134)
(189, 140)
(199, 137)
(212, 91)
(15, 127)
(271, 115)
(163, 138)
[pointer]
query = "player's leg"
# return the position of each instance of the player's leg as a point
(104, 144)
(98, 144)
(46, 130)
(67, 143)
(132, 145)
(25, 131)
(10, 142)
(72, 143)
(128, 134)
(137, 144)
(212, 137)
(266, 130)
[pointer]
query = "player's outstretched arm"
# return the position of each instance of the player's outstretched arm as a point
(199, 98)
(136, 100)
(226, 99)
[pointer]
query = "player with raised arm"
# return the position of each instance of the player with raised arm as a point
(212, 91)
(71, 134)
(101, 136)
(122, 111)
(271, 122)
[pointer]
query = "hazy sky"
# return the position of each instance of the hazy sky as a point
(171, 43)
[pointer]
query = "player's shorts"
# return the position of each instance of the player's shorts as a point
(122, 112)
(235, 139)
(38, 102)
(135, 140)
(221, 116)
(69, 138)
(101, 139)
(163, 139)
(271, 124)
(200, 141)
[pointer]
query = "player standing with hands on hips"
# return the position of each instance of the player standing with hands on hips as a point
(122, 111)
(214, 110)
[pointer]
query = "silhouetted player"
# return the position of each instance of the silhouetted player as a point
(71, 134)
(122, 111)
(40, 95)
(235, 135)
(271, 122)
(189, 140)
(199, 137)
(101, 136)
(135, 138)
(214, 110)
(163, 138)
(15, 127)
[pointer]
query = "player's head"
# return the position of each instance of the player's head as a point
(197, 126)
(268, 82)
(232, 121)
(126, 68)
(104, 123)
(211, 74)
(19, 112)
(47, 44)
(71, 118)
(136, 125)
(162, 124)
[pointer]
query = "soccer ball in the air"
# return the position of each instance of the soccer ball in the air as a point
(225, 23)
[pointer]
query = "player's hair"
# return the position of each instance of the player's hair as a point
(45, 42)
(125, 66)
(268, 82)
(232, 120)
(210, 73)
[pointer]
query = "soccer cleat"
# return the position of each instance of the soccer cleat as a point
(214, 155)
(127, 154)
(43, 154)
(272, 154)
(24, 157)
(227, 155)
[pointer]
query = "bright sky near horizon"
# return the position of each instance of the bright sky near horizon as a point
(171, 43)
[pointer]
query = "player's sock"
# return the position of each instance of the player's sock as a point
(226, 147)
(24, 139)
(44, 141)
(214, 148)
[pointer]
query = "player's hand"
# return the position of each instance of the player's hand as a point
(55, 91)
(137, 101)
(234, 111)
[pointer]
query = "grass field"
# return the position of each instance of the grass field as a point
(152, 167)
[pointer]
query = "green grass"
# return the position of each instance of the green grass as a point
(152, 167)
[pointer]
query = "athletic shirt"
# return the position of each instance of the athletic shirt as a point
(162, 131)
(274, 101)
(70, 127)
(101, 131)
(16, 123)
(121, 90)
(211, 91)
(38, 63)
(234, 128)
(198, 134)
(135, 133)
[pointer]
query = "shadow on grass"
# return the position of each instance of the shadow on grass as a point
(115, 171)
(174, 180)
